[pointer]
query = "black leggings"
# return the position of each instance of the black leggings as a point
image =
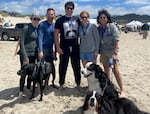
(75, 62)
(23, 77)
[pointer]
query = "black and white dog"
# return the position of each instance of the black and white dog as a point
(91, 104)
(95, 104)
(39, 72)
(98, 81)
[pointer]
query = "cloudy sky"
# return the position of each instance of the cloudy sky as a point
(115, 7)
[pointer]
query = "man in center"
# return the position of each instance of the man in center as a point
(67, 44)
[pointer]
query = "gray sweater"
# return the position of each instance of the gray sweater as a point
(28, 42)
(89, 38)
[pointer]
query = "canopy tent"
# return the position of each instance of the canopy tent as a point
(93, 21)
(148, 23)
(134, 25)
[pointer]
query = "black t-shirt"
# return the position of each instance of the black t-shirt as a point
(68, 30)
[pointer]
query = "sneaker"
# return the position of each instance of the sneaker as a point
(61, 88)
(78, 87)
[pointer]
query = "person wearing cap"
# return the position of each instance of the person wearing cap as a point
(46, 39)
(67, 44)
(28, 48)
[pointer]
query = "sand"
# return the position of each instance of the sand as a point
(134, 66)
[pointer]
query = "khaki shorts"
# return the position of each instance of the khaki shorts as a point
(104, 59)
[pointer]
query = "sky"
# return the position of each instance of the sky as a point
(114, 7)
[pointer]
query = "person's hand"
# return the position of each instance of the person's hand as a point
(60, 51)
(26, 62)
(114, 56)
(95, 55)
(40, 54)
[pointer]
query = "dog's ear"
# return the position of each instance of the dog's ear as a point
(35, 71)
(99, 98)
(42, 65)
(86, 105)
(103, 80)
(27, 69)
(98, 71)
(47, 68)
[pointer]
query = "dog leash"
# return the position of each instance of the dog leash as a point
(35, 69)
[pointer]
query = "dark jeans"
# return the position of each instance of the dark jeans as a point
(23, 77)
(73, 53)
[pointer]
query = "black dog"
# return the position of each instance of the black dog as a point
(119, 106)
(98, 81)
(39, 72)
(95, 104)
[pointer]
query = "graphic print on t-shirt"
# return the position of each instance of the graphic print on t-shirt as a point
(70, 29)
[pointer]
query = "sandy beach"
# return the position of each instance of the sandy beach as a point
(134, 65)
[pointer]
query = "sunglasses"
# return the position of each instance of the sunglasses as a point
(69, 8)
(84, 17)
(103, 17)
(36, 19)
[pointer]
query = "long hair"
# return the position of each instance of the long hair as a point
(103, 11)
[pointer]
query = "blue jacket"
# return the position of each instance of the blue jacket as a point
(45, 35)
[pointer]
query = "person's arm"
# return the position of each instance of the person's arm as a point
(116, 36)
(56, 39)
(40, 41)
(22, 45)
(97, 41)
(96, 38)
(116, 47)
(17, 48)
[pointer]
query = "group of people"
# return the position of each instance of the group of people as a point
(74, 38)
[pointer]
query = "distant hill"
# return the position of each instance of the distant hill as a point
(130, 17)
(120, 19)
(14, 14)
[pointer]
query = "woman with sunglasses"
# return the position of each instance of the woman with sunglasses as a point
(28, 48)
(109, 38)
(89, 39)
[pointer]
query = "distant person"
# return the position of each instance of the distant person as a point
(89, 39)
(145, 29)
(67, 45)
(28, 49)
(109, 39)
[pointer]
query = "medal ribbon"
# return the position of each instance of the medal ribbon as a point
(84, 29)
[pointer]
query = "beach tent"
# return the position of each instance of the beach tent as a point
(148, 23)
(134, 25)
(93, 21)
